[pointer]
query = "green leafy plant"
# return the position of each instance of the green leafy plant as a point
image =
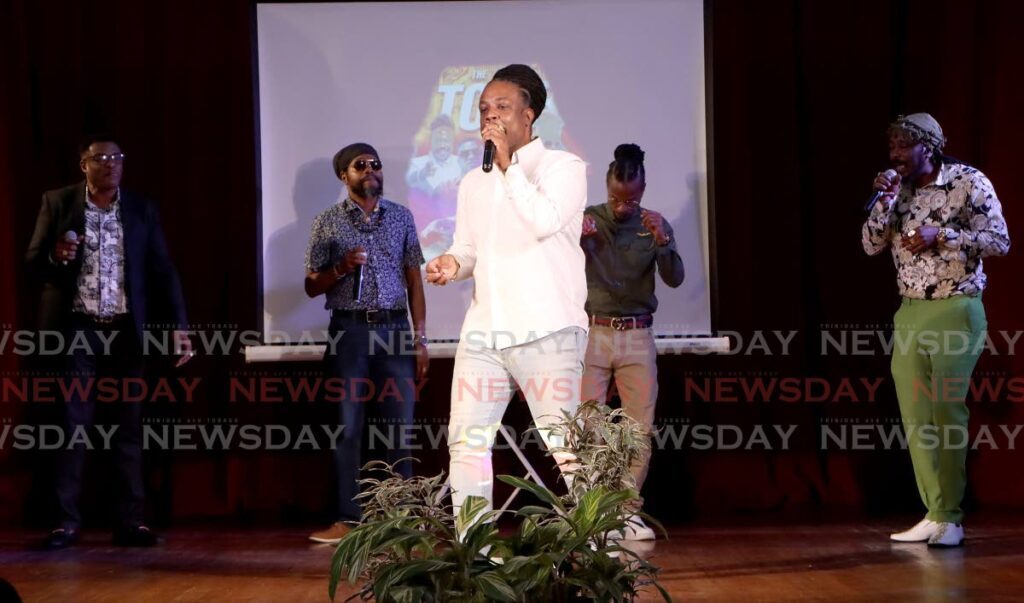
(410, 547)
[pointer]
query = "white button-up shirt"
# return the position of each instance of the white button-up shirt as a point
(518, 235)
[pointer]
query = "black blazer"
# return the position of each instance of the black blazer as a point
(155, 299)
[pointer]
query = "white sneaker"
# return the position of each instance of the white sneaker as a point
(948, 535)
(636, 529)
(615, 535)
(613, 554)
(921, 532)
(485, 552)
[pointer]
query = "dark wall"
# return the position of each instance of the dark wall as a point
(801, 95)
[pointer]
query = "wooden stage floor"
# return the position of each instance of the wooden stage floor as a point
(839, 561)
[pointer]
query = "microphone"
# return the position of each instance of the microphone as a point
(890, 173)
(357, 282)
(71, 237)
(488, 163)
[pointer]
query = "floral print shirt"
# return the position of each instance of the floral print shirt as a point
(963, 204)
(101, 281)
(388, 233)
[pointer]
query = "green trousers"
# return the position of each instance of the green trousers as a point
(936, 345)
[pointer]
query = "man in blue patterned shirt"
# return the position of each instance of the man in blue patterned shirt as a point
(364, 257)
(940, 217)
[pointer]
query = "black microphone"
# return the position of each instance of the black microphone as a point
(488, 164)
(878, 194)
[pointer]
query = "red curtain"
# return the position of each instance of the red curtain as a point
(800, 96)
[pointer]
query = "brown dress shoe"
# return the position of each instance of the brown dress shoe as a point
(331, 535)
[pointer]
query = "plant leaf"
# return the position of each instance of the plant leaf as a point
(533, 488)
(472, 508)
(495, 587)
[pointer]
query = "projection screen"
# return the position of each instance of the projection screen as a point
(406, 77)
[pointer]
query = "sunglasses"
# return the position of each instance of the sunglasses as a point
(361, 164)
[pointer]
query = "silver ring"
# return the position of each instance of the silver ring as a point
(911, 232)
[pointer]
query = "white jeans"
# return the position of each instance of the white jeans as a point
(548, 371)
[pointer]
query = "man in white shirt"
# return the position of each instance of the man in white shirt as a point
(517, 232)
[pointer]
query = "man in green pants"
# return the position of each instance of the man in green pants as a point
(940, 217)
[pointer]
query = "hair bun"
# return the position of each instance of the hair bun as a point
(629, 152)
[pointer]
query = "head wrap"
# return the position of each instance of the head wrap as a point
(922, 128)
(344, 157)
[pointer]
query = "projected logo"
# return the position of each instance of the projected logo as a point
(448, 145)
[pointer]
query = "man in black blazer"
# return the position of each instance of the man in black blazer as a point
(106, 276)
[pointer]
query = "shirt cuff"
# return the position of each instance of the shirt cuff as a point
(461, 273)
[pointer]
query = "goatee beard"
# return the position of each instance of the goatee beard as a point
(372, 189)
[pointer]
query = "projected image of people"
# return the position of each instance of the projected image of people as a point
(437, 172)
(433, 180)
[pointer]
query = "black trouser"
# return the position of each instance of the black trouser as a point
(122, 359)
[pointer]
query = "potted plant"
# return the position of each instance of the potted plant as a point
(409, 547)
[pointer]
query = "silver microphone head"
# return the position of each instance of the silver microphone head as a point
(70, 237)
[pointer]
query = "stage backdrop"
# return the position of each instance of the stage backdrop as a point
(802, 92)
(407, 77)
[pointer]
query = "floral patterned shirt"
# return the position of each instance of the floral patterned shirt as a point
(101, 281)
(963, 204)
(388, 233)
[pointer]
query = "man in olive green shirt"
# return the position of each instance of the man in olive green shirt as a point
(624, 246)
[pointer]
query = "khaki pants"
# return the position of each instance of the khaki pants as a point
(630, 358)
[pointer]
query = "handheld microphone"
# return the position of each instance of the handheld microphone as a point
(878, 194)
(71, 237)
(357, 282)
(488, 163)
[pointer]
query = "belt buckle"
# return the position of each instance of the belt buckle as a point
(619, 322)
(372, 316)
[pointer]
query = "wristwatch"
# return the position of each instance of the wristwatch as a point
(422, 340)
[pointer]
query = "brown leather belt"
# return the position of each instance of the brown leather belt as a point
(623, 323)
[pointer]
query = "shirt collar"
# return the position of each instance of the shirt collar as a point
(111, 207)
(945, 175)
(604, 213)
(351, 206)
